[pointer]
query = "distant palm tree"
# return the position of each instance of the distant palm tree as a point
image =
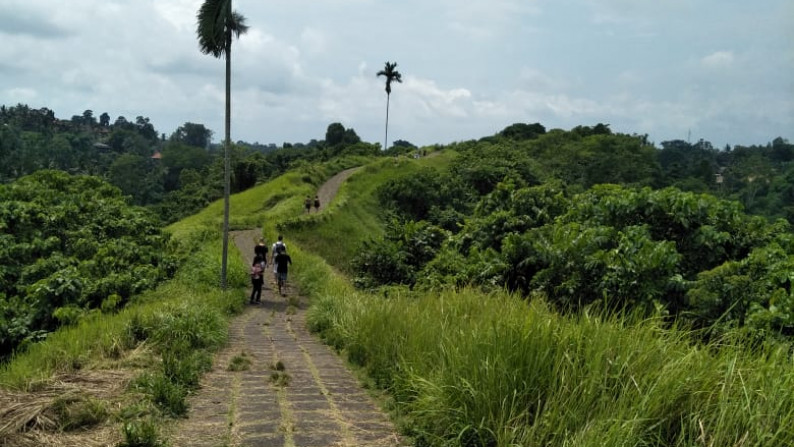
(391, 75)
(216, 25)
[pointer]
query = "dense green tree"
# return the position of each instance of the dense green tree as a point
(193, 134)
(70, 244)
(177, 156)
(145, 128)
(138, 177)
(104, 119)
(521, 131)
(486, 165)
(399, 256)
(335, 134)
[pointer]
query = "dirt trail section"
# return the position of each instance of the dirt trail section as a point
(328, 190)
(294, 392)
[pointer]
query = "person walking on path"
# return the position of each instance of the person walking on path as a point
(308, 204)
(316, 204)
(260, 249)
(257, 278)
(274, 251)
(282, 262)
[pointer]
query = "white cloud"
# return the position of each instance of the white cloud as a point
(719, 59)
(425, 98)
(181, 14)
(469, 68)
(20, 95)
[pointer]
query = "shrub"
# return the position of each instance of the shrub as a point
(141, 433)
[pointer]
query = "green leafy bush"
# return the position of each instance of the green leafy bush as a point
(68, 244)
(692, 254)
(396, 258)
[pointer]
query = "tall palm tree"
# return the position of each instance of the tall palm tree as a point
(216, 25)
(391, 75)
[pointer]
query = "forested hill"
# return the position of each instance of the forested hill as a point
(579, 214)
(175, 175)
(180, 173)
(537, 287)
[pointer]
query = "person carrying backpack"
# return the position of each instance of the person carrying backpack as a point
(276, 245)
(308, 204)
(282, 262)
(316, 204)
(257, 278)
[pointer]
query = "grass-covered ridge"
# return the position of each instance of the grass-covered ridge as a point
(158, 346)
(462, 367)
(150, 354)
(476, 369)
(355, 214)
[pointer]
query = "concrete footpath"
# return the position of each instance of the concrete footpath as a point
(296, 392)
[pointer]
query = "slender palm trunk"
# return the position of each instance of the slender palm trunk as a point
(226, 144)
(386, 138)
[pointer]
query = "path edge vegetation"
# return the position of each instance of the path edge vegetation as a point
(471, 368)
(164, 339)
(466, 367)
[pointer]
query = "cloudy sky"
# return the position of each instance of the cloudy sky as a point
(720, 70)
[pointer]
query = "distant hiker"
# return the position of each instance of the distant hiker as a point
(260, 249)
(276, 245)
(316, 204)
(282, 262)
(257, 278)
(308, 204)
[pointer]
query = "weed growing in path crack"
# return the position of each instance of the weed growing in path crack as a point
(279, 377)
(240, 362)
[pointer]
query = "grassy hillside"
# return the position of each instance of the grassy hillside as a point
(124, 373)
(461, 367)
(355, 215)
(475, 369)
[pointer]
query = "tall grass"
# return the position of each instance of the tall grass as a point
(193, 290)
(473, 369)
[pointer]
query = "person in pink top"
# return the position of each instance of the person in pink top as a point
(257, 279)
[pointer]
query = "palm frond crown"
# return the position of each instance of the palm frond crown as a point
(216, 25)
(391, 75)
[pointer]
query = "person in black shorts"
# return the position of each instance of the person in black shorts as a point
(308, 204)
(316, 204)
(274, 251)
(282, 262)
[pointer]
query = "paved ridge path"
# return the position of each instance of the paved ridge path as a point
(296, 392)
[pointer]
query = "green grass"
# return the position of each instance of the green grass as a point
(78, 412)
(168, 335)
(141, 433)
(241, 362)
(463, 368)
(354, 216)
(474, 369)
